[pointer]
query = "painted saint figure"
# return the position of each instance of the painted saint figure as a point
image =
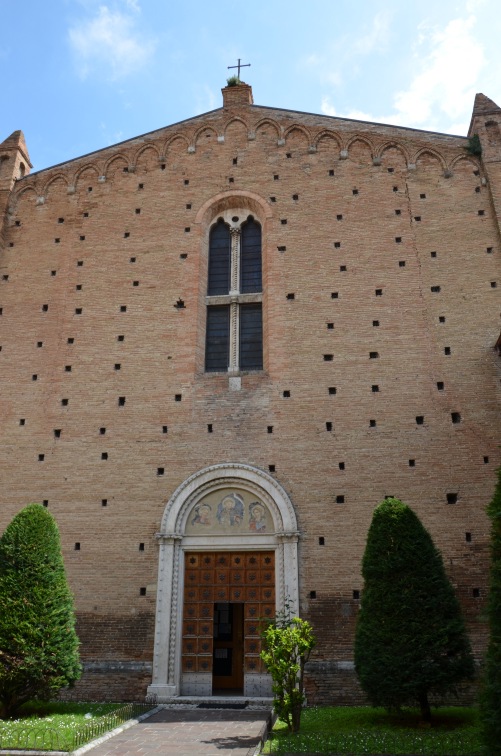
(257, 517)
(230, 510)
(203, 515)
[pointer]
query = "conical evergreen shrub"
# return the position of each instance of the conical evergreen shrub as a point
(38, 642)
(410, 639)
(491, 694)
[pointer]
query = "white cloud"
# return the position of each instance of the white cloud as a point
(109, 42)
(334, 78)
(345, 52)
(474, 5)
(446, 81)
(443, 89)
(211, 98)
(133, 5)
(460, 128)
(206, 100)
(327, 108)
(111, 137)
(313, 59)
(376, 38)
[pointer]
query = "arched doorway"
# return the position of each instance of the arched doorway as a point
(228, 558)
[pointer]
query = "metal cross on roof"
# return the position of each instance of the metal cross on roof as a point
(239, 66)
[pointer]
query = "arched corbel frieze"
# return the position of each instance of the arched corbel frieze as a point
(330, 139)
(51, 184)
(23, 194)
(297, 136)
(142, 155)
(464, 163)
(393, 154)
(429, 155)
(176, 143)
(116, 164)
(88, 171)
(206, 134)
(360, 150)
(261, 128)
(236, 131)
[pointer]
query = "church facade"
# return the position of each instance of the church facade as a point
(222, 344)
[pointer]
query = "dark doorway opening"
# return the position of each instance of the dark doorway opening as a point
(228, 658)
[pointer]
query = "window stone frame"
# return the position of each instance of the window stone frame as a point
(226, 206)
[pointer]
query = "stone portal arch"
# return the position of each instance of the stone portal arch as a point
(197, 523)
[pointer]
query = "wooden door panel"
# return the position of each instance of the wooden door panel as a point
(246, 580)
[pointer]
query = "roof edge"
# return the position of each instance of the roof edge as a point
(251, 107)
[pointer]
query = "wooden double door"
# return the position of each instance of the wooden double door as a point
(228, 597)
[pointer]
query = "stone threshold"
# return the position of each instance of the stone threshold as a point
(214, 702)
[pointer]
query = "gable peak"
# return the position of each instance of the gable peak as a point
(16, 141)
(484, 105)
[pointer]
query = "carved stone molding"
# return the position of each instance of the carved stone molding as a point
(168, 537)
(173, 543)
(290, 537)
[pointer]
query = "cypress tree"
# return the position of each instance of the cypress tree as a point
(38, 642)
(410, 639)
(491, 694)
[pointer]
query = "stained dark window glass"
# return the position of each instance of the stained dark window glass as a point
(251, 337)
(223, 318)
(217, 346)
(219, 260)
(250, 258)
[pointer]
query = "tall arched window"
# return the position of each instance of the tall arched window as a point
(219, 259)
(234, 334)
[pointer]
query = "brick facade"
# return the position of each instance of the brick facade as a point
(381, 284)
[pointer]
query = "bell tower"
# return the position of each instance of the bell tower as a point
(486, 124)
(14, 164)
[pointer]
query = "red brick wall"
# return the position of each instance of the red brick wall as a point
(109, 685)
(342, 236)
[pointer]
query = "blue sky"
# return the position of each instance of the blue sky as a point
(79, 75)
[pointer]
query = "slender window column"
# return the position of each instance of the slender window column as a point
(234, 292)
(235, 261)
(234, 365)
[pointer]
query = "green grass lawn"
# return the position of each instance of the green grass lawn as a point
(362, 730)
(61, 726)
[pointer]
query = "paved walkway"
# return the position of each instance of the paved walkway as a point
(189, 732)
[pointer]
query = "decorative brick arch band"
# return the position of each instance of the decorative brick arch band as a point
(229, 200)
(173, 542)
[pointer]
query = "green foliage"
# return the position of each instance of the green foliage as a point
(491, 694)
(38, 642)
(361, 730)
(410, 639)
(233, 81)
(63, 725)
(474, 147)
(287, 644)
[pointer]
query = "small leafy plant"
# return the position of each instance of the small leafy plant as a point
(287, 644)
(474, 147)
(233, 81)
